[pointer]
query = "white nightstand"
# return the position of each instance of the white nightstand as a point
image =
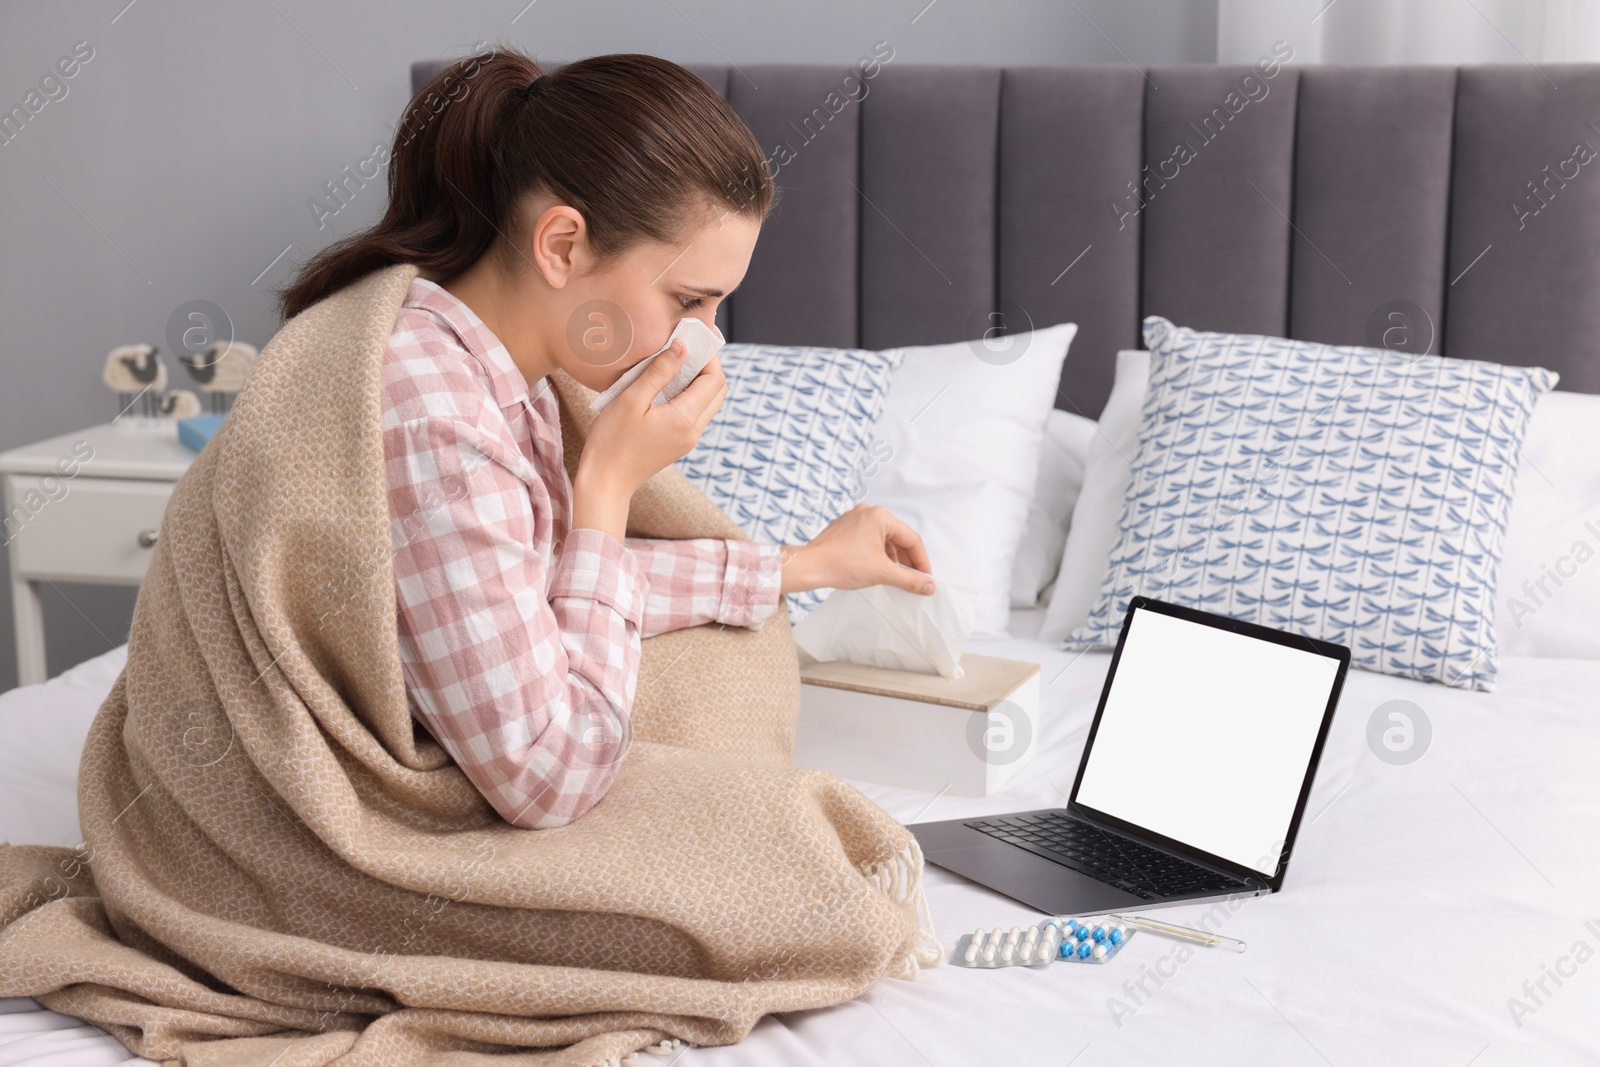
(83, 507)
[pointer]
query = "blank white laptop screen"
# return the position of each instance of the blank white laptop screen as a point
(1206, 736)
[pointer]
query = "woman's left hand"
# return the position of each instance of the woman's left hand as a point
(865, 546)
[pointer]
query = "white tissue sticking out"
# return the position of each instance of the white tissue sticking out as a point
(702, 342)
(883, 626)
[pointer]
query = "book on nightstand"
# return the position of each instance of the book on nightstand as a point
(196, 431)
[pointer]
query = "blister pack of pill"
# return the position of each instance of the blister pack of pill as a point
(1052, 941)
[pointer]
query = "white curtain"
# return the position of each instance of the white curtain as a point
(1411, 31)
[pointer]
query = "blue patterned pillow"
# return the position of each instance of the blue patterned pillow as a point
(788, 451)
(1345, 493)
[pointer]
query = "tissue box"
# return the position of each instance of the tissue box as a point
(965, 737)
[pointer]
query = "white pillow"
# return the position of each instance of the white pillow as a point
(1105, 482)
(1062, 460)
(1548, 597)
(964, 423)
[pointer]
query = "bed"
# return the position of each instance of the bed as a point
(1420, 901)
(1437, 912)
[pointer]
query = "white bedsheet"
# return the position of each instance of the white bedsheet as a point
(1419, 901)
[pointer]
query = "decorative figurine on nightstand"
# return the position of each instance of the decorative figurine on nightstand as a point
(220, 371)
(136, 374)
(179, 404)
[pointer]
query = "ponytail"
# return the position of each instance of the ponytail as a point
(633, 142)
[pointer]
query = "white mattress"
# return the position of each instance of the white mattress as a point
(1420, 900)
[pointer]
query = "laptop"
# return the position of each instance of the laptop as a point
(1193, 780)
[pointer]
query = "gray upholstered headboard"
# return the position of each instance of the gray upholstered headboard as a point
(1307, 205)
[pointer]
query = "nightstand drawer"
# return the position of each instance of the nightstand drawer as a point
(90, 533)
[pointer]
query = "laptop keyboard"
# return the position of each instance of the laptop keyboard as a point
(1143, 871)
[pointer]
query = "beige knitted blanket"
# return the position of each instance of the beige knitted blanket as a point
(279, 867)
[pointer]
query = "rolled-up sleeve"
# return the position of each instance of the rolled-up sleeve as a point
(707, 579)
(523, 672)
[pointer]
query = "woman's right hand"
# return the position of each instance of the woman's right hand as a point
(633, 438)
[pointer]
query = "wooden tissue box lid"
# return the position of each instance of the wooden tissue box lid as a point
(988, 681)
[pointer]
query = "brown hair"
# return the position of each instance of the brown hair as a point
(634, 142)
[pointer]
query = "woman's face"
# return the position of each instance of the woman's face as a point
(599, 321)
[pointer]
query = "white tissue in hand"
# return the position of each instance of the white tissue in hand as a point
(701, 342)
(883, 626)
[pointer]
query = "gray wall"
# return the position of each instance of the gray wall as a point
(179, 163)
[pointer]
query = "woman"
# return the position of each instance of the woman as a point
(563, 221)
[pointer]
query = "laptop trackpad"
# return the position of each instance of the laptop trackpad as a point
(1033, 880)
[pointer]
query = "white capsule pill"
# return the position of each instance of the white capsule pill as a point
(1007, 953)
(988, 953)
(1011, 938)
(1025, 954)
(971, 955)
(1032, 935)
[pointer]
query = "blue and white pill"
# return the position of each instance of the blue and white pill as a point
(1067, 949)
(1116, 935)
(1099, 933)
(1084, 950)
(1082, 932)
(1099, 952)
